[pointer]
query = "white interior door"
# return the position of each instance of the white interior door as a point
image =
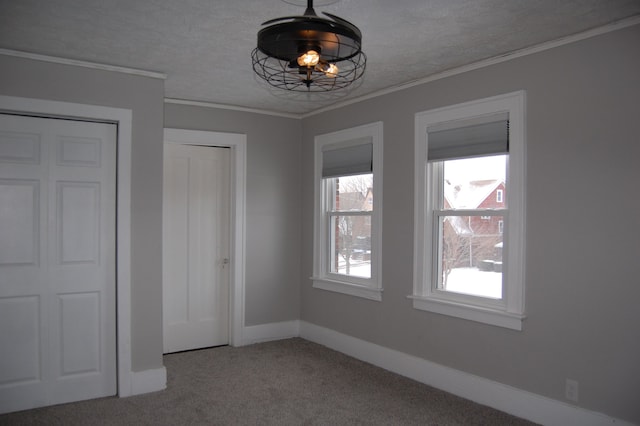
(57, 261)
(195, 247)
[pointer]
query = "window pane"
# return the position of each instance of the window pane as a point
(351, 245)
(475, 183)
(471, 255)
(353, 193)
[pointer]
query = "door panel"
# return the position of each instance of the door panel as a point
(20, 217)
(20, 318)
(78, 216)
(57, 261)
(80, 343)
(19, 147)
(196, 244)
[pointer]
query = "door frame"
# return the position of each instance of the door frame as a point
(237, 142)
(123, 119)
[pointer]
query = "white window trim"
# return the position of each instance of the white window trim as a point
(509, 312)
(322, 278)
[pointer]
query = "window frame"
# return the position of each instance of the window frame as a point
(323, 278)
(508, 312)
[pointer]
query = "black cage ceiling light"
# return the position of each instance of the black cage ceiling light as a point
(309, 53)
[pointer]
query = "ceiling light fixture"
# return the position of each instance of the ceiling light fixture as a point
(309, 53)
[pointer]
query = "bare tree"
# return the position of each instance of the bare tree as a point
(345, 233)
(351, 195)
(456, 248)
(463, 246)
(356, 184)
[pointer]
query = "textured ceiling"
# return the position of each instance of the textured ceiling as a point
(204, 46)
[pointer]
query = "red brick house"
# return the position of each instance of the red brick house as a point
(469, 240)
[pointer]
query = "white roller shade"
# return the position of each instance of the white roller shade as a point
(350, 160)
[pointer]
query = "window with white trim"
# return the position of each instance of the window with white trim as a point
(469, 218)
(348, 213)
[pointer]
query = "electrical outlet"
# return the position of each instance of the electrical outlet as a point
(571, 390)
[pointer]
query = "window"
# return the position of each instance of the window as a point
(469, 230)
(348, 220)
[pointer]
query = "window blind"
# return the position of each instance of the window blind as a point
(471, 138)
(350, 160)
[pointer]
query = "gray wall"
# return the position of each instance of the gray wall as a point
(273, 205)
(143, 95)
(273, 189)
(583, 228)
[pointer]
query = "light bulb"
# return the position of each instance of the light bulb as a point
(309, 59)
(331, 70)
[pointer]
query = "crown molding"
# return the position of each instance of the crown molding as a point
(84, 64)
(230, 107)
(614, 26)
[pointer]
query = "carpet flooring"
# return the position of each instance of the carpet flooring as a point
(286, 382)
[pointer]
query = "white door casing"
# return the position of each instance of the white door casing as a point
(236, 266)
(129, 383)
(57, 261)
(195, 247)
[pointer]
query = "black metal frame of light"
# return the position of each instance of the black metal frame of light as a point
(337, 41)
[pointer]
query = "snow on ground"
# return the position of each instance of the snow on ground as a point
(357, 268)
(474, 282)
(461, 280)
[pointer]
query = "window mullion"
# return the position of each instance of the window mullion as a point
(470, 212)
(350, 212)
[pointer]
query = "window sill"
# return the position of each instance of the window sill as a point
(469, 312)
(348, 288)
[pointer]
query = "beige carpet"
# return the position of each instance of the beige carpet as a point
(287, 382)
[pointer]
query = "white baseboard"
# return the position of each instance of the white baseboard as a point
(523, 404)
(272, 331)
(148, 381)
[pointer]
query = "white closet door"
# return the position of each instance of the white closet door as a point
(196, 247)
(57, 261)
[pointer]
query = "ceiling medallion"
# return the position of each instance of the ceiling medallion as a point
(308, 53)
